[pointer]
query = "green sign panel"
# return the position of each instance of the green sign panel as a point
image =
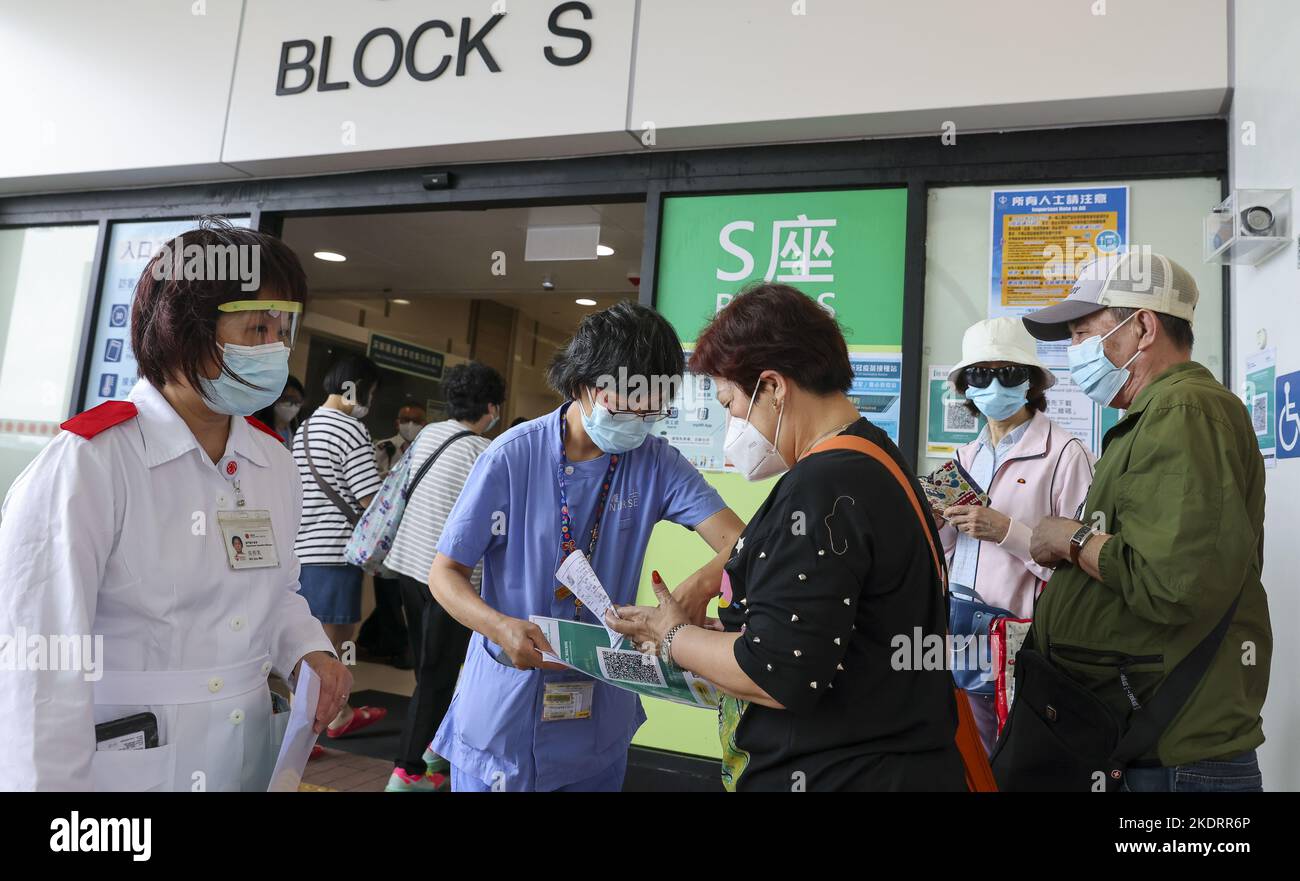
(394, 354)
(844, 248)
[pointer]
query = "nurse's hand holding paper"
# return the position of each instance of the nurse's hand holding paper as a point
(335, 686)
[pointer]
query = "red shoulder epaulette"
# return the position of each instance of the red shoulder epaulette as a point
(96, 419)
(262, 426)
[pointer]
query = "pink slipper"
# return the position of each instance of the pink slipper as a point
(362, 717)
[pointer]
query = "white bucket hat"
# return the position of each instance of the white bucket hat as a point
(999, 339)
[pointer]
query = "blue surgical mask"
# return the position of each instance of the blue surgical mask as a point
(609, 434)
(266, 367)
(997, 402)
(1092, 371)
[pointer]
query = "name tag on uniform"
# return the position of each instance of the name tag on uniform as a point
(249, 539)
(567, 700)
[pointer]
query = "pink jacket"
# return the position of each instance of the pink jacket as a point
(1047, 473)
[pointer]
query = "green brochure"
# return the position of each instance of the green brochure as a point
(586, 648)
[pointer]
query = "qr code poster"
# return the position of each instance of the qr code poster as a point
(1261, 395)
(630, 666)
(949, 423)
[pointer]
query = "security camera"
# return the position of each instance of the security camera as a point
(548, 284)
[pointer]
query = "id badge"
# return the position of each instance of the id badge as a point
(248, 538)
(567, 700)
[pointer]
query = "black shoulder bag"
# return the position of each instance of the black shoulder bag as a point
(349, 513)
(1059, 735)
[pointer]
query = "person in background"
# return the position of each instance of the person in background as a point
(1172, 532)
(410, 419)
(385, 635)
(282, 416)
(836, 563)
(336, 464)
(588, 476)
(1029, 466)
(98, 542)
(518, 420)
(475, 393)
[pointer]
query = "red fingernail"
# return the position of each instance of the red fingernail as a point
(654, 573)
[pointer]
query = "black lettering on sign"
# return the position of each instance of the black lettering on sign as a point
(554, 25)
(475, 44)
(358, 70)
(322, 85)
(304, 65)
(410, 52)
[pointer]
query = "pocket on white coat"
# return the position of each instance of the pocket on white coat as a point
(133, 770)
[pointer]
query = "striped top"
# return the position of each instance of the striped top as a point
(416, 542)
(343, 454)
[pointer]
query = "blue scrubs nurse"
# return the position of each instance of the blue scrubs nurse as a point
(588, 476)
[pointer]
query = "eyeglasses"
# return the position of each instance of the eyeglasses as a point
(633, 415)
(1009, 375)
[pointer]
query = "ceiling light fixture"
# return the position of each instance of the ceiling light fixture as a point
(585, 301)
(329, 256)
(401, 302)
(604, 251)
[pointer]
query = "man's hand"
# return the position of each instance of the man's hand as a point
(979, 521)
(1050, 542)
(523, 642)
(335, 686)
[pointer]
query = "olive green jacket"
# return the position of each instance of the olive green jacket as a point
(1180, 488)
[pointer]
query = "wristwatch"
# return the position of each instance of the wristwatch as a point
(666, 647)
(1077, 541)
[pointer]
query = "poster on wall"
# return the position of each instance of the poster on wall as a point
(1260, 396)
(696, 423)
(1039, 240)
(843, 248)
(113, 370)
(1074, 411)
(949, 424)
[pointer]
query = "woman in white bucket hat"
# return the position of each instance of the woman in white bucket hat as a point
(1028, 465)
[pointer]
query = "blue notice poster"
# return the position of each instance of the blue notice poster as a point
(131, 246)
(1041, 237)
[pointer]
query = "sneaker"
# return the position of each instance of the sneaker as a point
(434, 763)
(400, 781)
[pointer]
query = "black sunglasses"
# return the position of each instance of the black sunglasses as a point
(1011, 374)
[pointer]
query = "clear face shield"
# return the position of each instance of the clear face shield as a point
(259, 322)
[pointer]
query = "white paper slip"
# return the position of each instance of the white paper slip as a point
(298, 736)
(576, 574)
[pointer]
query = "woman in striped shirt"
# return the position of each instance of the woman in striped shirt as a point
(336, 463)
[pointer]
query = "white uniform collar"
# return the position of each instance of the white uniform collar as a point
(166, 436)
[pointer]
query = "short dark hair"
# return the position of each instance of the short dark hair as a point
(358, 370)
(1036, 397)
(469, 388)
(626, 335)
(174, 319)
(775, 327)
(1179, 330)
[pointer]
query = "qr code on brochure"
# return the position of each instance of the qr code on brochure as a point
(1259, 414)
(629, 666)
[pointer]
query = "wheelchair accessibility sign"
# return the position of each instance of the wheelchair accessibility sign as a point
(1288, 416)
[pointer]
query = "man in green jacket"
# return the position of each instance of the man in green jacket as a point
(1172, 531)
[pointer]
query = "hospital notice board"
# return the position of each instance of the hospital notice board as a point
(843, 248)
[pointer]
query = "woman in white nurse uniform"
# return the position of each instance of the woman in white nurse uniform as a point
(139, 642)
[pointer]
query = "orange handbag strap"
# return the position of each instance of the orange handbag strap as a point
(979, 776)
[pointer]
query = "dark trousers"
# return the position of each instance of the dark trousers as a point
(385, 633)
(438, 644)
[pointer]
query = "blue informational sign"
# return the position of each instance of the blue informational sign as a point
(877, 388)
(1041, 237)
(131, 246)
(1288, 415)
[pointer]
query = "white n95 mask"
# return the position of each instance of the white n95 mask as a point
(754, 455)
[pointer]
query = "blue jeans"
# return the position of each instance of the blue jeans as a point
(1237, 774)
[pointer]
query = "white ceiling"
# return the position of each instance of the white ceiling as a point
(435, 254)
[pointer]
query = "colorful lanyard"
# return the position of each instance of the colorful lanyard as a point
(567, 544)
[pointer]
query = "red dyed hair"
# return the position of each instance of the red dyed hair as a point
(775, 327)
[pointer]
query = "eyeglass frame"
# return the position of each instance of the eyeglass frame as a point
(1004, 375)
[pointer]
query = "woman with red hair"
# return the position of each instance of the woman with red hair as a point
(834, 590)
